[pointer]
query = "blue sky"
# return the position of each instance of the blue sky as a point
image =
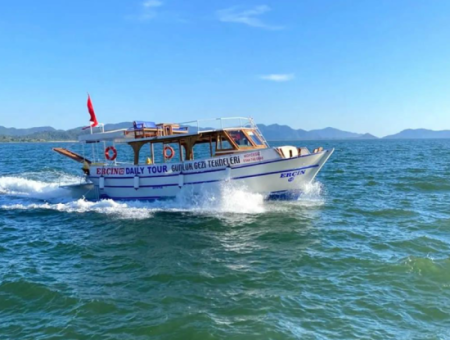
(363, 66)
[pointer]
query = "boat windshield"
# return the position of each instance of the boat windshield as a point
(239, 138)
(255, 138)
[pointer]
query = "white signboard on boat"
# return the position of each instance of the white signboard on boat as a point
(186, 167)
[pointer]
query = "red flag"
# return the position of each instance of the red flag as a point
(93, 119)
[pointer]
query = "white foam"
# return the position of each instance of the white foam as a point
(109, 207)
(222, 198)
(28, 187)
(226, 200)
(312, 195)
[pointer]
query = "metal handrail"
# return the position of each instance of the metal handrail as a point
(241, 122)
(221, 120)
(261, 136)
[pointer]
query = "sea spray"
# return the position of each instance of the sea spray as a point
(19, 186)
(224, 197)
(131, 210)
(221, 200)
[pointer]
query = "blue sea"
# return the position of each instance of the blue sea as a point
(364, 253)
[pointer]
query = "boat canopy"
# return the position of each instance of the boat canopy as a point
(145, 129)
(224, 135)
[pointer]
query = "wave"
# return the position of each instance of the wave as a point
(437, 269)
(109, 207)
(24, 186)
(226, 198)
(432, 184)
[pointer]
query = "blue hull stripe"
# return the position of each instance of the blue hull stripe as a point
(142, 186)
(274, 195)
(115, 177)
(202, 172)
(201, 182)
(136, 198)
(257, 175)
(277, 172)
(213, 181)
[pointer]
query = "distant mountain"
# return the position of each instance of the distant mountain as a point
(332, 133)
(51, 134)
(108, 127)
(281, 132)
(419, 134)
(4, 131)
(271, 132)
(284, 132)
(367, 136)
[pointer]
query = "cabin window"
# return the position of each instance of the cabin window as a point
(239, 138)
(202, 150)
(255, 138)
(158, 156)
(224, 144)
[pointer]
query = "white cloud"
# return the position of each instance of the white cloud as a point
(149, 9)
(278, 77)
(152, 3)
(248, 17)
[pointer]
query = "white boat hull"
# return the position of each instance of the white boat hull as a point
(263, 172)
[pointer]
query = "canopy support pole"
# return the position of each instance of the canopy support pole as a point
(136, 148)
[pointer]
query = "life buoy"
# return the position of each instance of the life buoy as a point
(114, 153)
(169, 152)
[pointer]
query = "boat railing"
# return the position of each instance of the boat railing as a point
(190, 127)
(201, 125)
(259, 132)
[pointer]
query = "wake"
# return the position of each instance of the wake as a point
(24, 187)
(225, 199)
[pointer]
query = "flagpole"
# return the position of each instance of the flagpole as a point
(93, 122)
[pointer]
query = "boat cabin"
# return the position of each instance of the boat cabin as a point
(221, 142)
(181, 138)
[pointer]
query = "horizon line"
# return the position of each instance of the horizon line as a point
(315, 129)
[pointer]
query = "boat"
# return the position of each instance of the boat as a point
(167, 158)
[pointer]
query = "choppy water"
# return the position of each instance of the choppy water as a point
(365, 254)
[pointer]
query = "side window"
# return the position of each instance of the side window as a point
(202, 150)
(224, 144)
